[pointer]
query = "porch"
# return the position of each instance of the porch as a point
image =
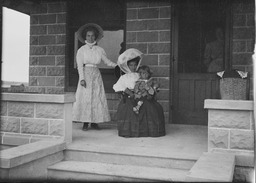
(103, 155)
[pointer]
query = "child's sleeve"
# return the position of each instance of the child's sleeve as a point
(120, 85)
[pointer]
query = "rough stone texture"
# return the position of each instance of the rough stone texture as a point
(165, 36)
(131, 37)
(3, 108)
(37, 50)
(159, 48)
(162, 24)
(150, 60)
(33, 61)
(148, 13)
(60, 60)
(218, 138)
(137, 25)
(243, 174)
(10, 124)
(54, 111)
(20, 109)
(61, 18)
(140, 46)
(132, 14)
(242, 139)
(46, 60)
(34, 126)
(229, 119)
(38, 29)
(56, 50)
(47, 40)
(32, 89)
(55, 90)
(56, 127)
(57, 29)
(61, 39)
(37, 71)
(165, 12)
(160, 71)
(164, 59)
(147, 36)
(164, 83)
(55, 71)
(47, 19)
(45, 81)
(60, 81)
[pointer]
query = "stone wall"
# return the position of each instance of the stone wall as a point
(231, 129)
(148, 29)
(243, 37)
(26, 118)
(47, 48)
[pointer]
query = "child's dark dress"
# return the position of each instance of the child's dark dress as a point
(148, 123)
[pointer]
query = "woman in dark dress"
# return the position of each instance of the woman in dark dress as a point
(149, 122)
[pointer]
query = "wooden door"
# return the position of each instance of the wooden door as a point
(193, 27)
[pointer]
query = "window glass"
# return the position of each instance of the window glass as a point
(15, 47)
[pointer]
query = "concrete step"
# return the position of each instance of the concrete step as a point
(95, 171)
(213, 167)
(127, 156)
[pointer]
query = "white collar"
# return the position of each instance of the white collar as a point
(90, 44)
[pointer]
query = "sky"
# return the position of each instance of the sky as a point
(15, 46)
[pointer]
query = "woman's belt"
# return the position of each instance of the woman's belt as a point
(90, 65)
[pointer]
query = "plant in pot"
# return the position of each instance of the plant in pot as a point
(234, 85)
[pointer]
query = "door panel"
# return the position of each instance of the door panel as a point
(191, 90)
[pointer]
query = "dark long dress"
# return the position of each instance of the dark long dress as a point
(148, 123)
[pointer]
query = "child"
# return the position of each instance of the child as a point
(145, 88)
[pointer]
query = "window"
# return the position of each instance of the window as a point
(15, 48)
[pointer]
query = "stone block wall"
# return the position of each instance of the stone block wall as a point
(27, 118)
(148, 29)
(47, 48)
(243, 37)
(231, 129)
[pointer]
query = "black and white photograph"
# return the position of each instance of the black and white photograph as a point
(127, 91)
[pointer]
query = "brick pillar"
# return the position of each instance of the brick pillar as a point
(47, 48)
(243, 37)
(148, 30)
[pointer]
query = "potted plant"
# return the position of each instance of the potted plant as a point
(234, 85)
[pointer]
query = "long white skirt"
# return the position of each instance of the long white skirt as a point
(91, 103)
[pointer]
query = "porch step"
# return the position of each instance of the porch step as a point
(213, 167)
(95, 171)
(129, 156)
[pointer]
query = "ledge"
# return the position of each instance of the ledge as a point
(16, 156)
(229, 104)
(44, 98)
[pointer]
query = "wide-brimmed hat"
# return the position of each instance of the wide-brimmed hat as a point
(87, 26)
(126, 56)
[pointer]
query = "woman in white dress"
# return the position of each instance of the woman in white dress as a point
(91, 104)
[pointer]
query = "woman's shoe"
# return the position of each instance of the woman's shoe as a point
(85, 126)
(95, 126)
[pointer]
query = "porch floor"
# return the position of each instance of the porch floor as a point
(181, 141)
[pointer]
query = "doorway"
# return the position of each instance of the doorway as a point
(195, 28)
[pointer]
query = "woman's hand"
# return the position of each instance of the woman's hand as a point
(83, 83)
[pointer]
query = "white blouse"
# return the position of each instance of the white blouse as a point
(126, 81)
(94, 55)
